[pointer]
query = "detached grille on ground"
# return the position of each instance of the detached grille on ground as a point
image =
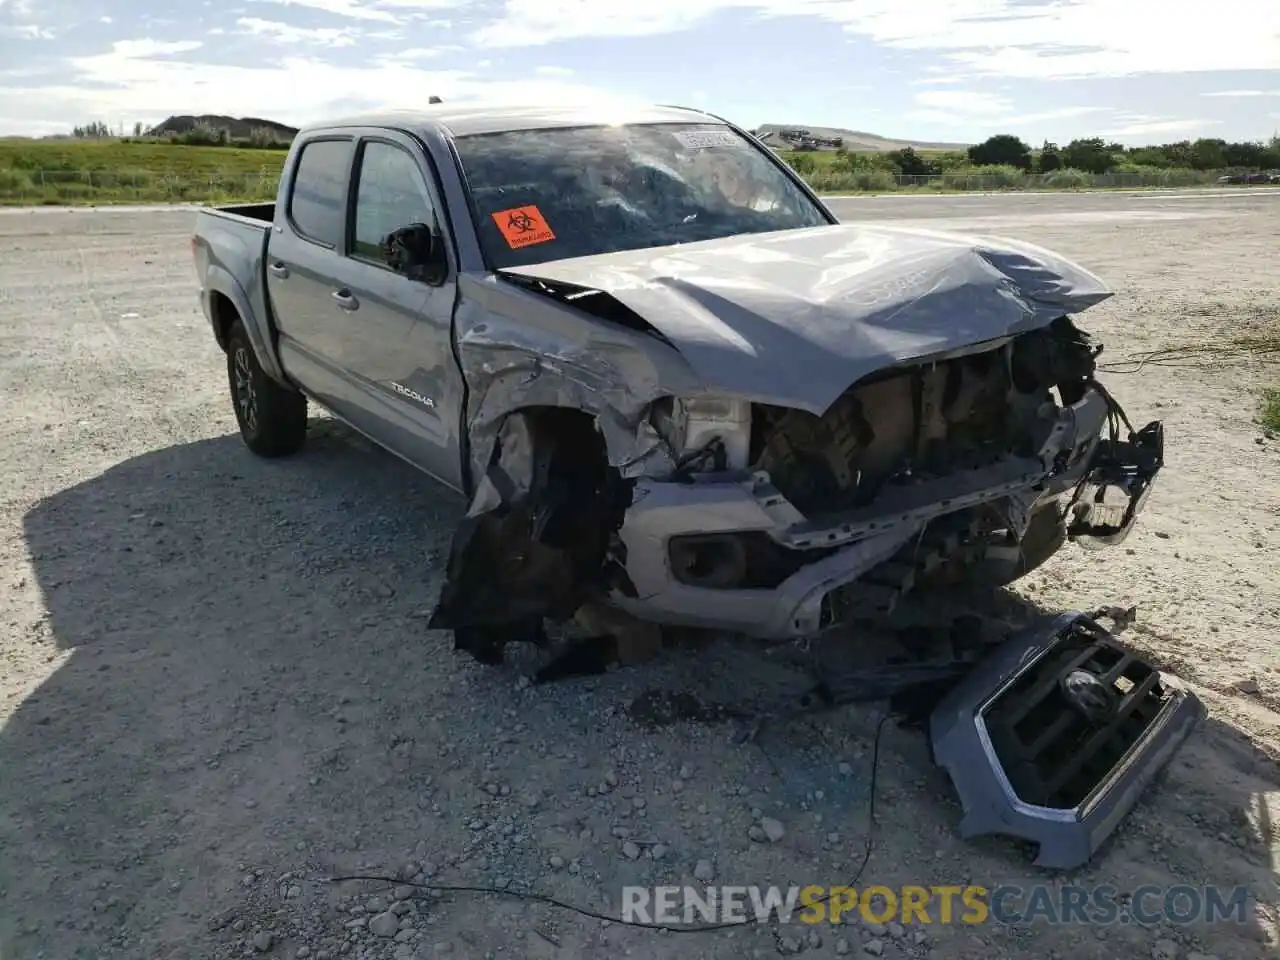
(1063, 726)
(1054, 735)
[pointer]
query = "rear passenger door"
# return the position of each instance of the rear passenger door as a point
(395, 338)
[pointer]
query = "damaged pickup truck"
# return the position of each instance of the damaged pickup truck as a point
(664, 375)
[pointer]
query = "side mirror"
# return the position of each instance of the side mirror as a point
(417, 251)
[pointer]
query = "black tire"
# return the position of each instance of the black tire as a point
(272, 417)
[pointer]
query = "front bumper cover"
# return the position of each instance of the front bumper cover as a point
(862, 539)
(1054, 736)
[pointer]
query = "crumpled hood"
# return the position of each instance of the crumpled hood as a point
(795, 317)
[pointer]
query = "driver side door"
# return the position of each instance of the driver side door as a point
(396, 342)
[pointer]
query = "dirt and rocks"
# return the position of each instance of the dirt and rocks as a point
(217, 688)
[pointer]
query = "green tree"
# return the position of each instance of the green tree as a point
(911, 164)
(96, 130)
(1004, 149)
(1243, 155)
(1208, 154)
(1090, 155)
(803, 163)
(1148, 157)
(1179, 153)
(1050, 157)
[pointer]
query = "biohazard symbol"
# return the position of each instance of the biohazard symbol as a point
(523, 226)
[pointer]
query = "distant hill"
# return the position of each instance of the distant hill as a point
(829, 138)
(237, 128)
(777, 135)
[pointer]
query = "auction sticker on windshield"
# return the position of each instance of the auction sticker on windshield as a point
(700, 139)
(523, 226)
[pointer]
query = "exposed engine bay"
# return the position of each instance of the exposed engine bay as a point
(971, 452)
(926, 421)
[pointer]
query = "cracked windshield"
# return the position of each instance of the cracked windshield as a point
(543, 195)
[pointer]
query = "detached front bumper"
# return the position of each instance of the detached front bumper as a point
(1053, 738)
(843, 547)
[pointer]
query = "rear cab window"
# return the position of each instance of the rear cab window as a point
(317, 202)
(547, 194)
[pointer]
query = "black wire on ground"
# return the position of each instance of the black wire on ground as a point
(1263, 350)
(868, 846)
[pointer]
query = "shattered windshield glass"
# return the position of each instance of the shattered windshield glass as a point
(541, 195)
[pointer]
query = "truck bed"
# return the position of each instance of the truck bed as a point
(260, 212)
(229, 245)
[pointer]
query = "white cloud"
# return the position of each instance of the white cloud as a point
(25, 31)
(553, 71)
(287, 34)
(420, 5)
(409, 55)
(22, 23)
(1061, 113)
(1243, 93)
(136, 50)
(387, 11)
(967, 102)
(532, 22)
(970, 108)
(353, 9)
(990, 37)
(145, 80)
(1138, 128)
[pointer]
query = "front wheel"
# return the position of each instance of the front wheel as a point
(272, 417)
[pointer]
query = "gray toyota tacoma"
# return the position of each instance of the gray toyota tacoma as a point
(668, 380)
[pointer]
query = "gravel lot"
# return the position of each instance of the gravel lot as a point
(217, 688)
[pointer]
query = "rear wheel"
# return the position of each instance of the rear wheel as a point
(272, 417)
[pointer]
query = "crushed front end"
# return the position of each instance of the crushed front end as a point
(978, 465)
(1054, 736)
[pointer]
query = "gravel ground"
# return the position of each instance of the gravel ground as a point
(217, 688)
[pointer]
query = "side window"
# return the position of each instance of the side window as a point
(390, 194)
(319, 189)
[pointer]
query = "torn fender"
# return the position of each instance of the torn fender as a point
(518, 349)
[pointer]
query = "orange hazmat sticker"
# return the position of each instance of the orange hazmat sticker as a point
(523, 226)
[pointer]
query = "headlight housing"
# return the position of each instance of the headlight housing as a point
(690, 424)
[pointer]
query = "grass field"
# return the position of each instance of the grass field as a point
(111, 171)
(58, 172)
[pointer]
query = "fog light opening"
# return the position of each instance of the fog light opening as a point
(716, 561)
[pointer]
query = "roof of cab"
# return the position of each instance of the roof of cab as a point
(463, 119)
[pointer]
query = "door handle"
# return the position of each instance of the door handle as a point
(278, 270)
(345, 300)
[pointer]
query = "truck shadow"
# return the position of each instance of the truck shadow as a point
(243, 677)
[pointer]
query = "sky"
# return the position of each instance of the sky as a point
(1135, 71)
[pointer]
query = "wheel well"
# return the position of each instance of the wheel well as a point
(545, 545)
(571, 433)
(224, 317)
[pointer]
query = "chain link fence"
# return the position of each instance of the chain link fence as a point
(838, 181)
(30, 187)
